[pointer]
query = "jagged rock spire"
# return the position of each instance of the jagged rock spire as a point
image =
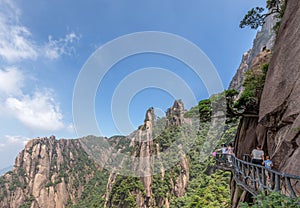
(175, 114)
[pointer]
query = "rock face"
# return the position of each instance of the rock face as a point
(43, 175)
(147, 149)
(60, 173)
(264, 39)
(237, 80)
(277, 128)
(279, 107)
(250, 133)
(175, 114)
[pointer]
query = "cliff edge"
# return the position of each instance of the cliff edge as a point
(277, 127)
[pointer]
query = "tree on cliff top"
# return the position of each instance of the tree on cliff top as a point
(256, 16)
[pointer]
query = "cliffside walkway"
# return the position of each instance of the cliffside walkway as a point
(256, 178)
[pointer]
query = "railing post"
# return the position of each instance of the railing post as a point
(244, 174)
(253, 177)
(277, 182)
(259, 181)
(272, 180)
(289, 186)
(249, 171)
(263, 177)
(238, 168)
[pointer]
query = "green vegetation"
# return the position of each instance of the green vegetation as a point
(273, 200)
(167, 137)
(124, 190)
(255, 17)
(15, 182)
(82, 174)
(88, 177)
(220, 102)
(28, 202)
(253, 84)
(206, 191)
(57, 181)
(161, 187)
(207, 187)
(3, 194)
(94, 190)
(280, 15)
(205, 110)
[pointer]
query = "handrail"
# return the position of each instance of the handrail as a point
(255, 178)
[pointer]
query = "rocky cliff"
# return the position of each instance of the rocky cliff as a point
(250, 133)
(265, 38)
(148, 145)
(277, 127)
(279, 107)
(47, 173)
(69, 173)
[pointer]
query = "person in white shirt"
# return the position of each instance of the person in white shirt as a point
(223, 151)
(257, 155)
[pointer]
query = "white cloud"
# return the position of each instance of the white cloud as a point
(56, 48)
(70, 128)
(38, 112)
(16, 139)
(16, 42)
(11, 81)
(10, 140)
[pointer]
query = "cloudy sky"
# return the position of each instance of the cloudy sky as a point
(45, 44)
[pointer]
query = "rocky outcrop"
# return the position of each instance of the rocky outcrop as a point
(250, 133)
(146, 152)
(147, 149)
(279, 107)
(175, 114)
(237, 80)
(5, 170)
(277, 128)
(44, 174)
(264, 39)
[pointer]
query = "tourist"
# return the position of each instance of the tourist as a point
(257, 155)
(224, 152)
(229, 153)
(229, 149)
(223, 149)
(268, 165)
(214, 153)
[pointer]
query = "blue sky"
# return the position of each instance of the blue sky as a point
(45, 44)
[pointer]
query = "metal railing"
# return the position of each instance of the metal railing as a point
(256, 178)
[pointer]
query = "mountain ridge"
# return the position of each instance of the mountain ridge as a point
(63, 173)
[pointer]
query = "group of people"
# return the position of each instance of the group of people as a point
(257, 156)
(226, 152)
(224, 149)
